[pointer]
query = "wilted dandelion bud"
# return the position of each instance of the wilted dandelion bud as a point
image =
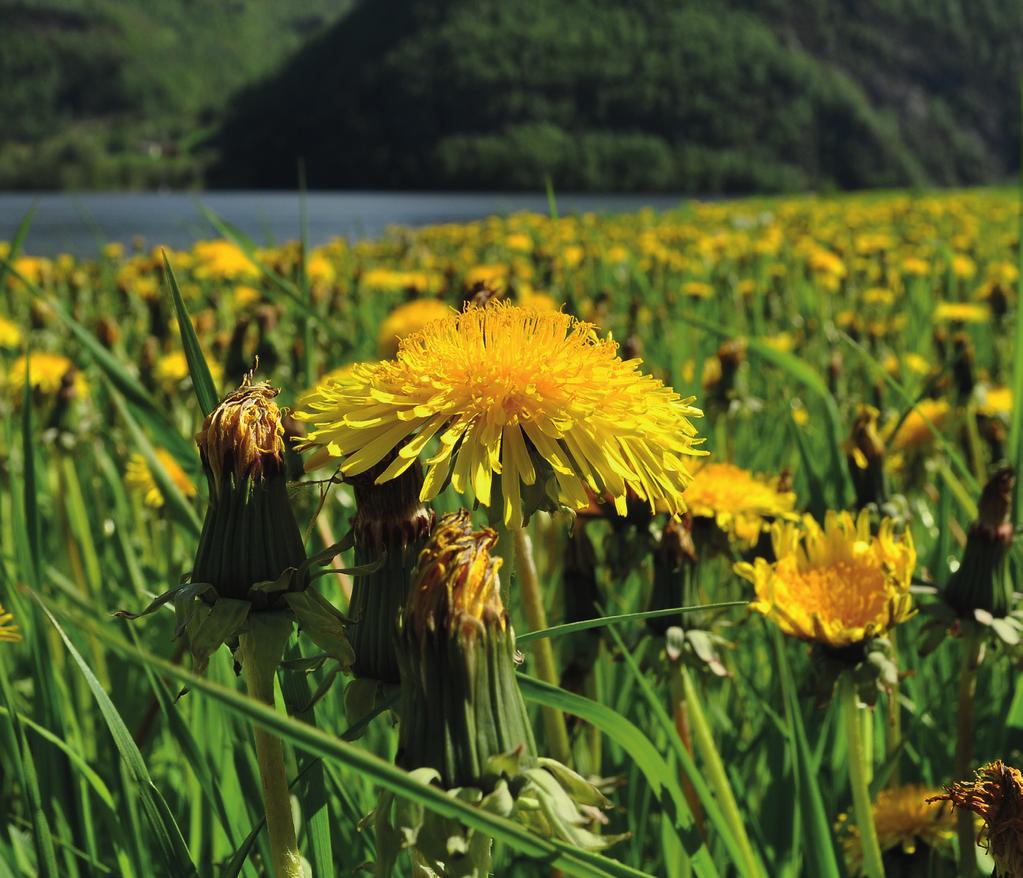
(996, 796)
(390, 527)
(463, 721)
(250, 535)
(675, 562)
(251, 557)
(461, 704)
(982, 581)
(865, 457)
(582, 598)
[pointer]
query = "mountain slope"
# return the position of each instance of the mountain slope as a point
(699, 96)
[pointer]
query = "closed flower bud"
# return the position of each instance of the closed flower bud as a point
(461, 704)
(250, 535)
(982, 581)
(865, 457)
(391, 526)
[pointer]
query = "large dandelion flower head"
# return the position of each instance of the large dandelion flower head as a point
(536, 399)
(836, 585)
(740, 503)
(906, 821)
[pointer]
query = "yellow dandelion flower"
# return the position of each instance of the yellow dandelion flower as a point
(222, 260)
(47, 373)
(878, 296)
(783, 342)
(8, 632)
(906, 821)
(10, 335)
(697, 289)
(139, 478)
(915, 431)
(963, 266)
(836, 585)
(996, 796)
(517, 393)
(914, 266)
(741, 504)
(537, 301)
(171, 369)
(962, 312)
(320, 270)
(995, 401)
(406, 319)
(493, 277)
(245, 295)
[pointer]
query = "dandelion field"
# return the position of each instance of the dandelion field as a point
(753, 631)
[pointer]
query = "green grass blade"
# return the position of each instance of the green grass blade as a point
(587, 624)
(137, 395)
(165, 829)
(699, 784)
(282, 283)
(177, 505)
(662, 780)
(30, 498)
(818, 843)
(24, 766)
(555, 854)
(1015, 447)
(17, 243)
(198, 368)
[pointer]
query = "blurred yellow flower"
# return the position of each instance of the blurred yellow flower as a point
(8, 632)
(244, 296)
(905, 822)
(221, 260)
(171, 369)
(962, 312)
(835, 585)
(138, 478)
(406, 319)
(10, 335)
(740, 504)
(532, 397)
(915, 431)
(46, 375)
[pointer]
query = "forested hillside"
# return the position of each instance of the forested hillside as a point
(699, 96)
(110, 93)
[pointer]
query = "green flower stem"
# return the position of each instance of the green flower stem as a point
(259, 679)
(716, 774)
(543, 652)
(873, 867)
(971, 646)
(893, 729)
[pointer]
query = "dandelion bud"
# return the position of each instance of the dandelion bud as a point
(391, 525)
(250, 535)
(865, 457)
(963, 365)
(8, 630)
(996, 796)
(461, 705)
(582, 601)
(463, 721)
(982, 581)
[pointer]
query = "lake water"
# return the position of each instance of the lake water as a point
(80, 222)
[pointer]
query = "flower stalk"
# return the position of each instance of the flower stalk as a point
(972, 649)
(543, 652)
(259, 662)
(859, 778)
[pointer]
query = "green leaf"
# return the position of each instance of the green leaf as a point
(175, 501)
(586, 624)
(168, 835)
(818, 845)
(16, 244)
(198, 368)
(685, 760)
(553, 853)
(322, 623)
(662, 780)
